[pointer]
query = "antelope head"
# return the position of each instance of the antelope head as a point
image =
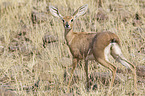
(68, 20)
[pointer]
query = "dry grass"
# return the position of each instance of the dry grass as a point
(23, 60)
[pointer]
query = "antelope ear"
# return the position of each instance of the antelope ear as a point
(54, 11)
(80, 11)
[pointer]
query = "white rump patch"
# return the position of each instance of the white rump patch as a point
(117, 54)
(107, 52)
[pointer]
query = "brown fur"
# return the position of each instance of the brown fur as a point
(92, 46)
(101, 40)
(81, 42)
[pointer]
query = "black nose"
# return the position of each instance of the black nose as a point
(67, 25)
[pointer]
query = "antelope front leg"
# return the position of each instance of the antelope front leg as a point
(87, 78)
(75, 61)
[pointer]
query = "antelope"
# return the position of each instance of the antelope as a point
(92, 46)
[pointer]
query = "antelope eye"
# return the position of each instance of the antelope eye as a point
(63, 20)
(71, 20)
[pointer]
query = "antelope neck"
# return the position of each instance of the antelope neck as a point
(69, 35)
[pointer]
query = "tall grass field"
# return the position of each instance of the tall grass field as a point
(34, 57)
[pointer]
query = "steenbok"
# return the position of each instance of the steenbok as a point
(92, 46)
